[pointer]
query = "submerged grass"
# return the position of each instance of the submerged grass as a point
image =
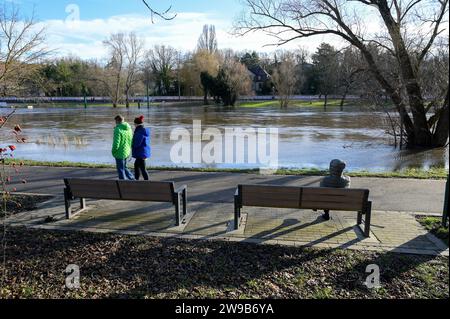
(304, 103)
(416, 173)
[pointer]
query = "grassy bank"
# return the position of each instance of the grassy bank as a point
(432, 173)
(316, 103)
(118, 266)
(434, 225)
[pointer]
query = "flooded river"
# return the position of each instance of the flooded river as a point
(307, 137)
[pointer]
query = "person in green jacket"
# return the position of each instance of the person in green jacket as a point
(121, 148)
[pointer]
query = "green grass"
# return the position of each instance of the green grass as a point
(431, 173)
(417, 173)
(259, 104)
(312, 103)
(434, 225)
(332, 103)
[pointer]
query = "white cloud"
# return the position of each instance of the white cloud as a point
(84, 38)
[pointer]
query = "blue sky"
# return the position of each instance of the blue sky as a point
(94, 9)
(98, 19)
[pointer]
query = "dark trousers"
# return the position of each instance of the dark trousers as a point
(139, 167)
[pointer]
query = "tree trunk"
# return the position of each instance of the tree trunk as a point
(325, 102)
(440, 137)
(205, 98)
(344, 96)
(127, 99)
(421, 135)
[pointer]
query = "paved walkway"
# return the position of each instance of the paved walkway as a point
(394, 227)
(407, 195)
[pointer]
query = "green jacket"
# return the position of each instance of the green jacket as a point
(123, 138)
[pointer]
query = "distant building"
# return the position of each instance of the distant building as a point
(259, 78)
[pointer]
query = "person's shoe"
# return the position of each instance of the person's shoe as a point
(326, 216)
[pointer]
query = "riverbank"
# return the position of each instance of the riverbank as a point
(314, 103)
(415, 173)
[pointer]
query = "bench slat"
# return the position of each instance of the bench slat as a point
(270, 196)
(332, 198)
(267, 202)
(352, 192)
(97, 189)
(146, 191)
(331, 206)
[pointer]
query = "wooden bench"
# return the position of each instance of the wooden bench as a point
(344, 199)
(124, 190)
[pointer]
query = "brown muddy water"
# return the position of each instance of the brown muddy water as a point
(307, 137)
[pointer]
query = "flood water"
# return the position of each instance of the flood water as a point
(308, 137)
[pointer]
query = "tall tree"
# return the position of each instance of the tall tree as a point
(208, 40)
(161, 60)
(325, 62)
(350, 66)
(285, 78)
(115, 67)
(234, 80)
(133, 51)
(250, 59)
(409, 33)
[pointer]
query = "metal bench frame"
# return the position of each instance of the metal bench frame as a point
(365, 210)
(178, 198)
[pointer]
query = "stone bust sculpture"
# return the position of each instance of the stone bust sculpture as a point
(336, 179)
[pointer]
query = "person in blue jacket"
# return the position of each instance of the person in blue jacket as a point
(141, 148)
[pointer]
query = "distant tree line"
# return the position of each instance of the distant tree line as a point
(403, 68)
(219, 74)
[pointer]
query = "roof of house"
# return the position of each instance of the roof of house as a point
(257, 70)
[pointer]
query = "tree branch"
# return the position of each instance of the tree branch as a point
(162, 15)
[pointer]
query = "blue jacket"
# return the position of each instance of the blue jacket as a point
(141, 143)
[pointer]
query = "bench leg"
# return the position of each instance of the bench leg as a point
(367, 219)
(359, 220)
(237, 213)
(67, 203)
(184, 202)
(177, 209)
(82, 203)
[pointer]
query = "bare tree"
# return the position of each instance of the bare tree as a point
(284, 78)
(133, 51)
(21, 47)
(409, 33)
(161, 61)
(349, 66)
(115, 67)
(208, 39)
